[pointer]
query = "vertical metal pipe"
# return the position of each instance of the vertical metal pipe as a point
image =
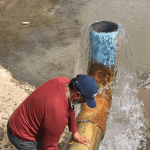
(98, 61)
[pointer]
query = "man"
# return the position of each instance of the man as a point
(44, 114)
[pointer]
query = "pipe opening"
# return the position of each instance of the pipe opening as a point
(104, 26)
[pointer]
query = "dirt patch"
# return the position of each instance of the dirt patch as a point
(4, 3)
(12, 93)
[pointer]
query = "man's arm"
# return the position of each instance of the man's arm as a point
(73, 128)
(72, 122)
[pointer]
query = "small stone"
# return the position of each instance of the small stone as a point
(25, 23)
(1, 133)
(148, 135)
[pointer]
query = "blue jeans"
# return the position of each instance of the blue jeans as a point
(23, 145)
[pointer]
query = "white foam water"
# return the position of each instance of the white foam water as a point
(126, 124)
(143, 79)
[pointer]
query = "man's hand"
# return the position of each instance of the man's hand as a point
(79, 138)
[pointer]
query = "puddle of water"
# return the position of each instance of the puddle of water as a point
(58, 24)
(34, 53)
(12, 32)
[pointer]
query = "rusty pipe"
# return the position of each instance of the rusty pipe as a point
(97, 60)
(92, 123)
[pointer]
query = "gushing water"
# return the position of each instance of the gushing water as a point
(126, 125)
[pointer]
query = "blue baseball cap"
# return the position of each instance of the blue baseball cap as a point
(88, 88)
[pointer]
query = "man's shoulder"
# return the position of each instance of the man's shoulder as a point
(55, 82)
(62, 79)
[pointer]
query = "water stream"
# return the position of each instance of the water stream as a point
(126, 124)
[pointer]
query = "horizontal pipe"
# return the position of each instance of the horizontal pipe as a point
(93, 133)
(91, 122)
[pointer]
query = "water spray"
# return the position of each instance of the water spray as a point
(97, 60)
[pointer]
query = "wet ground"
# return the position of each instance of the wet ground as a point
(37, 52)
(47, 47)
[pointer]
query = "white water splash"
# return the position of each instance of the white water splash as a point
(126, 125)
(143, 79)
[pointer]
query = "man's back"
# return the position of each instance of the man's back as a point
(43, 113)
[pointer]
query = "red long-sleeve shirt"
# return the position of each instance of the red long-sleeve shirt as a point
(44, 114)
